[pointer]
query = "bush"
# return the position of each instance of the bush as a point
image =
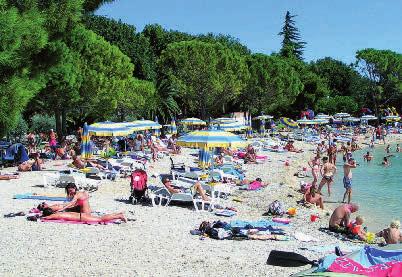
(337, 104)
(19, 131)
(42, 123)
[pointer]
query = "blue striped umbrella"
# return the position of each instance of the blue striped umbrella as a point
(204, 158)
(142, 125)
(156, 130)
(288, 122)
(109, 129)
(193, 121)
(210, 139)
(262, 126)
(86, 152)
(173, 129)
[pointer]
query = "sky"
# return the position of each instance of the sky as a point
(335, 28)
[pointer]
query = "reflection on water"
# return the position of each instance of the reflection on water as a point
(377, 189)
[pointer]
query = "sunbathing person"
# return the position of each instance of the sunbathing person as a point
(250, 156)
(9, 176)
(340, 218)
(78, 163)
(254, 185)
(291, 148)
(79, 202)
(391, 235)
(176, 189)
(49, 214)
(219, 160)
(313, 197)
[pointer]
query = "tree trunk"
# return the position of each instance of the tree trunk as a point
(64, 122)
(58, 123)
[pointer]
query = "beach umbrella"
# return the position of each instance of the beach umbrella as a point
(193, 121)
(263, 117)
(232, 127)
(322, 116)
(142, 125)
(288, 122)
(109, 129)
(204, 158)
(262, 126)
(368, 117)
(173, 129)
(392, 118)
(156, 130)
(351, 119)
(342, 115)
(86, 152)
(210, 139)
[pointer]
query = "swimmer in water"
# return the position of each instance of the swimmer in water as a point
(398, 149)
(368, 157)
(387, 149)
(385, 161)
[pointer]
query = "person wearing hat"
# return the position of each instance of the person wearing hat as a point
(347, 178)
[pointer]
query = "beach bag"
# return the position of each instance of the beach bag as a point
(139, 180)
(276, 208)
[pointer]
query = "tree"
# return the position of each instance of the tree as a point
(292, 45)
(383, 68)
(22, 38)
(135, 46)
(272, 87)
(337, 104)
(92, 5)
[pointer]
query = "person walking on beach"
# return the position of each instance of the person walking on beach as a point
(315, 164)
(347, 178)
(327, 171)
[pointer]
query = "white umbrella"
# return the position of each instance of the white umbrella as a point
(368, 117)
(341, 115)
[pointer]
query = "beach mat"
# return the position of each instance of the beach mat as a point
(39, 197)
(80, 222)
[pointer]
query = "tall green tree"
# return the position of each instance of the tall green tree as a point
(22, 38)
(384, 70)
(292, 45)
(272, 87)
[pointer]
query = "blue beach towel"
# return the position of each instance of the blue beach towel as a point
(40, 197)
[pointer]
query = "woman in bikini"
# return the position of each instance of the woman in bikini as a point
(79, 202)
(50, 214)
(315, 164)
(328, 171)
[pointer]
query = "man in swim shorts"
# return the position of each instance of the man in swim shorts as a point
(327, 171)
(347, 178)
(340, 218)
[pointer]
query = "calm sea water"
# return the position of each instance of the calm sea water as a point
(377, 189)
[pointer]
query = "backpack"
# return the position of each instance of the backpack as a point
(139, 180)
(276, 208)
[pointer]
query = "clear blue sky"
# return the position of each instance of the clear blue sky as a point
(335, 28)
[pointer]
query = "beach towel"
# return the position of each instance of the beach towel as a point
(40, 197)
(255, 224)
(227, 213)
(116, 221)
(346, 265)
(369, 256)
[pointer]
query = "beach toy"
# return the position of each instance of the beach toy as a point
(314, 217)
(292, 211)
(281, 220)
(287, 163)
(370, 237)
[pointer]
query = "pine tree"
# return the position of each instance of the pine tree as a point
(292, 46)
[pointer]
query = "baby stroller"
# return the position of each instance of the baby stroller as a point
(139, 186)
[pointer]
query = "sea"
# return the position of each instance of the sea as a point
(376, 188)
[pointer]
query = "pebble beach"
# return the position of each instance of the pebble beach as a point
(158, 242)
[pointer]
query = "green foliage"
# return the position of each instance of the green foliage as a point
(22, 38)
(383, 68)
(19, 130)
(42, 123)
(205, 75)
(335, 104)
(122, 35)
(292, 45)
(273, 85)
(92, 5)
